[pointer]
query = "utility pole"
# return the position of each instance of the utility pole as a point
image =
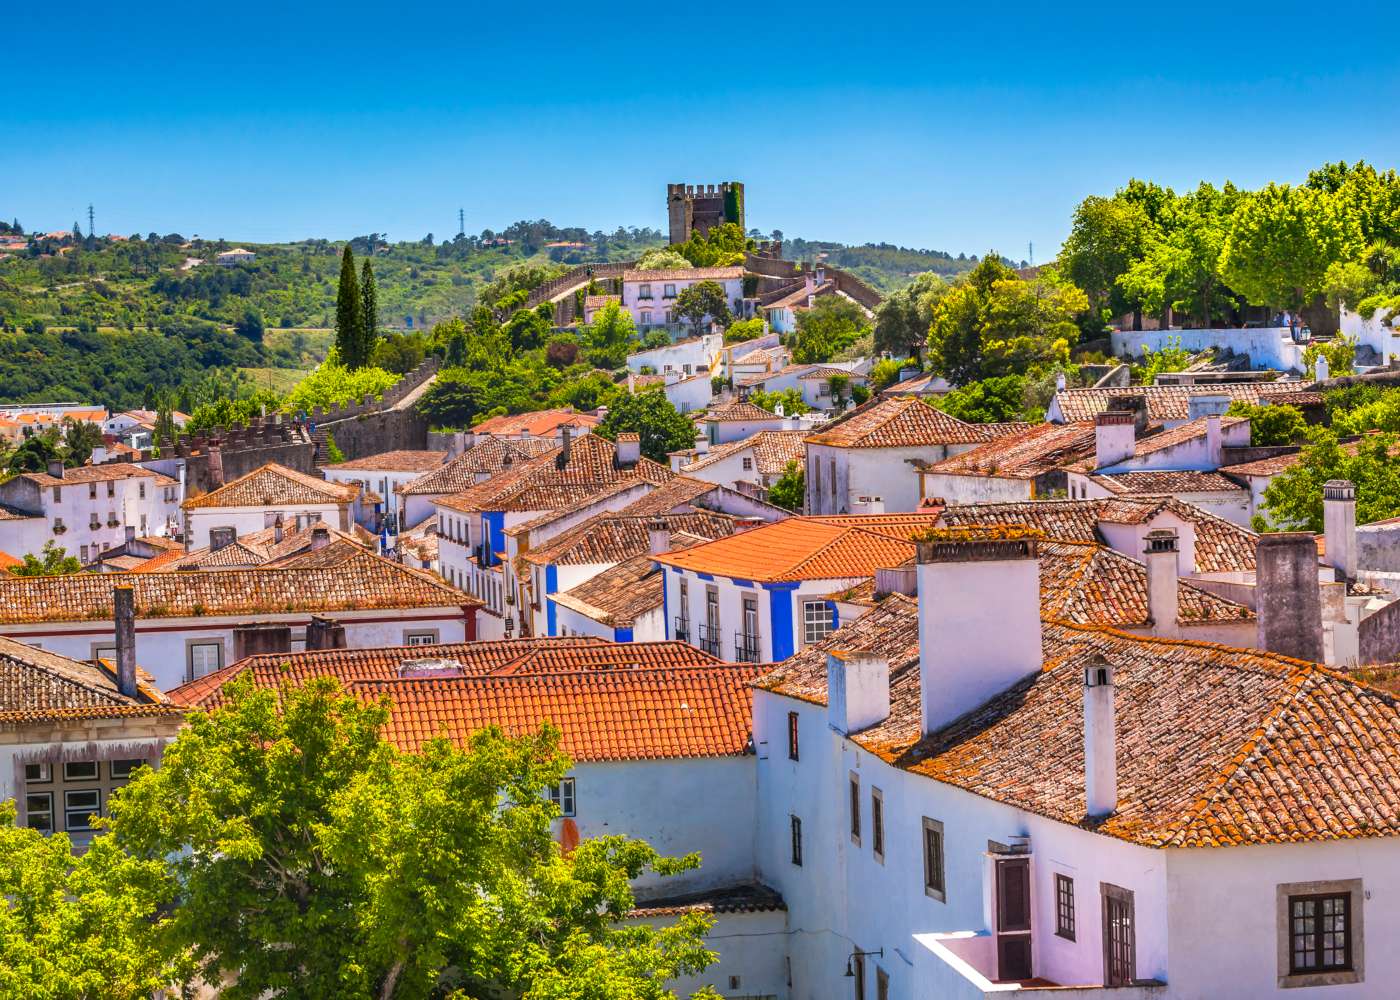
(461, 222)
(91, 232)
(1030, 253)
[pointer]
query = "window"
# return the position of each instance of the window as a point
(103, 651)
(1119, 936)
(646, 318)
(644, 292)
(58, 494)
(79, 805)
(1319, 933)
(92, 491)
(877, 824)
(111, 488)
(855, 808)
(80, 770)
(58, 527)
(143, 524)
(83, 553)
(816, 621)
(882, 984)
(831, 468)
(125, 768)
(562, 795)
(205, 658)
(420, 638)
(38, 811)
(668, 291)
(748, 464)
(792, 736)
(38, 772)
(746, 647)
(796, 841)
(219, 537)
(934, 881)
(141, 490)
(1064, 906)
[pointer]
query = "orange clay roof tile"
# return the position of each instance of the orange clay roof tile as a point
(897, 423)
(275, 485)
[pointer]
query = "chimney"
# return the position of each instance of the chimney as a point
(1059, 381)
(130, 534)
(1100, 739)
(629, 449)
(1322, 370)
(99, 455)
(252, 638)
(1289, 603)
(702, 443)
(320, 537)
(1115, 437)
(324, 633)
(779, 410)
(56, 468)
(659, 536)
(124, 613)
(1215, 453)
(1163, 594)
(1339, 527)
(979, 621)
(868, 505)
(566, 443)
(277, 531)
(857, 690)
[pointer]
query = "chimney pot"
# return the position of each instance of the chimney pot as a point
(659, 536)
(1163, 592)
(1100, 739)
(629, 449)
(1339, 527)
(56, 469)
(320, 537)
(858, 690)
(1115, 437)
(124, 615)
(324, 633)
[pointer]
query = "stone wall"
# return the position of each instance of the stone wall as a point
(372, 433)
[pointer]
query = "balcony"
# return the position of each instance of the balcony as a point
(709, 639)
(961, 965)
(682, 629)
(746, 647)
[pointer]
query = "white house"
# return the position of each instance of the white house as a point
(86, 510)
(263, 497)
(650, 296)
(478, 463)
(867, 458)
(234, 257)
(189, 624)
(687, 393)
(623, 603)
(1024, 465)
(757, 460)
(386, 474)
(821, 390)
(688, 356)
(737, 419)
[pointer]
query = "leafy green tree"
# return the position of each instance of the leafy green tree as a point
(903, 319)
(35, 452)
(1339, 352)
(884, 374)
(528, 329)
(789, 490)
(1281, 242)
(610, 337)
(1379, 412)
(333, 382)
(1271, 425)
(348, 304)
(1107, 237)
(742, 330)
(1180, 270)
(790, 400)
(333, 453)
(148, 397)
(54, 560)
(400, 352)
(1293, 499)
(993, 400)
(663, 429)
(80, 437)
(723, 246)
(700, 300)
(662, 259)
(832, 324)
(1170, 357)
(250, 325)
(79, 927)
(369, 316)
(315, 860)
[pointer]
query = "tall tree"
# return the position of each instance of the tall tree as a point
(650, 415)
(348, 304)
(704, 298)
(369, 315)
(1107, 236)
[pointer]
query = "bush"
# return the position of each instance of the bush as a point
(333, 383)
(790, 489)
(744, 330)
(1271, 425)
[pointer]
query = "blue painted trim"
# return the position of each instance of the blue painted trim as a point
(665, 610)
(780, 586)
(622, 635)
(551, 585)
(676, 569)
(741, 583)
(493, 533)
(705, 576)
(780, 621)
(835, 615)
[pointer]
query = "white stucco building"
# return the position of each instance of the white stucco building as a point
(265, 496)
(387, 475)
(650, 296)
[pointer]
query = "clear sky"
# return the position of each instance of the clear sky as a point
(950, 126)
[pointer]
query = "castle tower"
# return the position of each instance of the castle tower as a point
(695, 208)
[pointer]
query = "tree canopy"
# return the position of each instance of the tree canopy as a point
(663, 428)
(833, 324)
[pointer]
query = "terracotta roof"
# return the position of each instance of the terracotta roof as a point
(1165, 483)
(1216, 746)
(257, 548)
(540, 423)
(808, 548)
(38, 686)
(760, 355)
(275, 485)
(474, 659)
(746, 898)
(1264, 466)
(758, 378)
(671, 496)
(7, 561)
(544, 484)
(619, 595)
(1024, 454)
(827, 371)
(599, 301)
(897, 423)
(685, 274)
(611, 538)
(84, 474)
(607, 715)
(488, 456)
(772, 451)
(798, 296)
(1164, 402)
(739, 410)
(1221, 546)
(395, 461)
(364, 582)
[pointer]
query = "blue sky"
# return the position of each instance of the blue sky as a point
(927, 125)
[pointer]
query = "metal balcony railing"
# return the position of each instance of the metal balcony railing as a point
(709, 639)
(745, 647)
(682, 629)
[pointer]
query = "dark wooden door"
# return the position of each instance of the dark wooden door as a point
(1119, 937)
(1014, 919)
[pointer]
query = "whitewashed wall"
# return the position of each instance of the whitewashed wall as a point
(1268, 347)
(200, 520)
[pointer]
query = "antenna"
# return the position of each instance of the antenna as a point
(91, 231)
(1030, 253)
(461, 222)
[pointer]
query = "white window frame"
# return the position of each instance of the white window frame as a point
(43, 772)
(30, 812)
(420, 637)
(123, 768)
(193, 644)
(71, 772)
(565, 796)
(815, 627)
(68, 809)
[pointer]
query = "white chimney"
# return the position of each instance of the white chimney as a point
(1115, 437)
(868, 505)
(56, 468)
(1163, 593)
(1059, 381)
(658, 536)
(99, 455)
(979, 622)
(779, 410)
(857, 690)
(320, 537)
(1215, 453)
(1100, 739)
(629, 449)
(1322, 370)
(1339, 526)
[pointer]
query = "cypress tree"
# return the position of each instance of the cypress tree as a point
(347, 312)
(369, 315)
